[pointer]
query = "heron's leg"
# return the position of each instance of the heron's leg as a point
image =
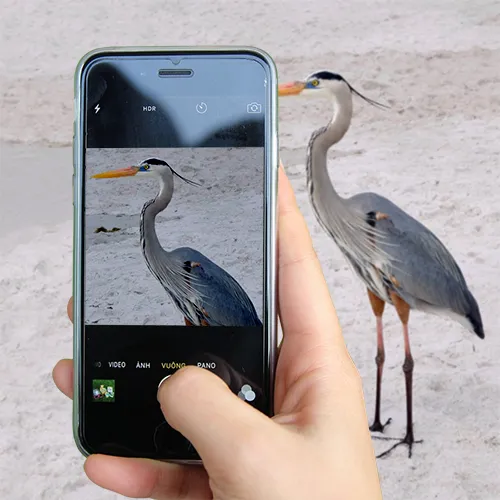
(403, 310)
(188, 323)
(378, 309)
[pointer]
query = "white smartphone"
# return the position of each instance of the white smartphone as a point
(175, 186)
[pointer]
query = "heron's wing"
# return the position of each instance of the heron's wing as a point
(224, 301)
(422, 269)
(221, 301)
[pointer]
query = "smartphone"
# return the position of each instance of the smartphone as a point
(175, 186)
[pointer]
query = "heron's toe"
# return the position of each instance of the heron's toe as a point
(378, 426)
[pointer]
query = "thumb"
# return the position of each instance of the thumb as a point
(200, 405)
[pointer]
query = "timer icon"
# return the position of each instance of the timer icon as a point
(201, 107)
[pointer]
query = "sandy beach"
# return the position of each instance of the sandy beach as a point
(435, 153)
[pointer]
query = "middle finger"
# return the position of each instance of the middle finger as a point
(63, 376)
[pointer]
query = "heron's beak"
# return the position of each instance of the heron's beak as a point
(293, 88)
(121, 172)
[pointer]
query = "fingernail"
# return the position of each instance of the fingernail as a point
(162, 381)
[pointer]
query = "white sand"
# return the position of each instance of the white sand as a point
(436, 153)
(207, 218)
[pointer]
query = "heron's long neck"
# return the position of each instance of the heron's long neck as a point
(149, 238)
(323, 139)
(338, 219)
(165, 266)
(348, 227)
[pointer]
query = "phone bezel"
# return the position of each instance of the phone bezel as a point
(270, 201)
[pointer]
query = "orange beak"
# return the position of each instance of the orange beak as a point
(293, 88)
(121, 172)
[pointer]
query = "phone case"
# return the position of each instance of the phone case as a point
(272, 164)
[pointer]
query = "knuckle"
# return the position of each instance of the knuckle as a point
(351, 373)
(297, 258)
(345, 367)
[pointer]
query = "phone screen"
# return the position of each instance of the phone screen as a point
(174, 190)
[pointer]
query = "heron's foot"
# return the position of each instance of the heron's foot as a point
(378, 426)
(408, 440)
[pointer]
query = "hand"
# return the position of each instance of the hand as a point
(317, 446)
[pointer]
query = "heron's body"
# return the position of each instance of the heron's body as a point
(428, 278)
(405, 257)
(400, 261)
(203, 292)
(210, 287)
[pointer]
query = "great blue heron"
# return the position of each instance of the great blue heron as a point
(203, 292)
(400, 261)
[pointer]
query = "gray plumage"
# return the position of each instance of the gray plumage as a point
(428, 277)
(396, 253)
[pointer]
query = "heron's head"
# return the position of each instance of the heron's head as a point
(321, 84)
(147, 169)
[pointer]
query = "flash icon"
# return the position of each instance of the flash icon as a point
(97, 108)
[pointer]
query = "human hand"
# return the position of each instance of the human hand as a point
(317, 445)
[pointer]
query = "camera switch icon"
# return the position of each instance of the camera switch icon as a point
(254, 107)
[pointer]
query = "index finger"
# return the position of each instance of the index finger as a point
(307, 313)
(314, 359)
(69, 308)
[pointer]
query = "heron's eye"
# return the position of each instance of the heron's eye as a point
(315, 83)
(146, 167)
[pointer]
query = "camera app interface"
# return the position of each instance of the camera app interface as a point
(174, 260)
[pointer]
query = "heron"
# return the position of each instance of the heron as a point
(400, 261)
(203, 292)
